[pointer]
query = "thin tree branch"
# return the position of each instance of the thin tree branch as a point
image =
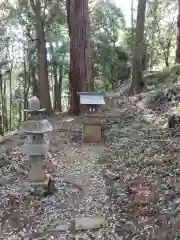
(33, 5)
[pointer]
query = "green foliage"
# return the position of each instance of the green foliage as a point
(156, 77)
(167, 76)
(175, 70)
(160, 32)
(108, 56)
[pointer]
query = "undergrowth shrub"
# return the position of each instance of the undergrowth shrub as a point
(175, 70)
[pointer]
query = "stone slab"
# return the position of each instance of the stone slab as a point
(88, 223)
(92, 134)
(92, 119)
(59, 225)
(43, 184)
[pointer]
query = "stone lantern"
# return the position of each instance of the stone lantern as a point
(36, 147)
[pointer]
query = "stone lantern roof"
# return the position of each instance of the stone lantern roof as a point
(36, 127)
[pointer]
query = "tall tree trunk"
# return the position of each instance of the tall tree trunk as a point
(132, 25)
(27, 80)
(136, 84)
(80, 77)
(43, 69)
(55, 77)
(44, 93)
(5, 119)
(167, 62)
(35, 88)
(154, 29)
(60, 88)
(10, 100)
(178, 34)
(56, 90)
(2, 106)
(89, 58)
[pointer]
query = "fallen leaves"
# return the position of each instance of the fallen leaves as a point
(149, 159)
(141, 190)
(142, 163)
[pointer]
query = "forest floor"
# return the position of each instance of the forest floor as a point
(129, 185)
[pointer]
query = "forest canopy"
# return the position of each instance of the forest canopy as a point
(54, 49)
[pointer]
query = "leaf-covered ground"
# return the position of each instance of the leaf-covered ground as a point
(132, 179)
(145, 156)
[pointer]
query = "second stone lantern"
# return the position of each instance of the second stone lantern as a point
(36, 147)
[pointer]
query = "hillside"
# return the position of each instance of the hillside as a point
(129, 185)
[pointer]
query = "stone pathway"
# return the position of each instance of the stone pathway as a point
(78, 205)
(75, 164)
(81, 202)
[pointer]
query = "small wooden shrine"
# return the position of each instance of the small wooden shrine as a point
(36, 147)
(92, 129)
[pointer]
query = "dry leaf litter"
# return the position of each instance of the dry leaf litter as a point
(132, 180)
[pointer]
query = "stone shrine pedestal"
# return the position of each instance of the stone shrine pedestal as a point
(92, 129)
(92, 133)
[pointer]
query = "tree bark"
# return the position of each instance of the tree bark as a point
(153, 34)
(10, 100)
(60, 88)
(43, 87)
(55, 76)
(80, 75)
(2, 106)
(26, 87)
(56, 90)
(178, 34)
(132, 24)
(5, 119)
(35, 87)
(136, 84)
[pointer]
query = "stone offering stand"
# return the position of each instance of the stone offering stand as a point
(36, 147)
(92, 126)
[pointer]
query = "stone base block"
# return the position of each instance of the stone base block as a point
(48, 185)
(43, 183)
(92, 134)
(92, 119)
(36, 174)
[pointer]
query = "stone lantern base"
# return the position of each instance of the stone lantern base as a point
(43, 183)
(37, 174)
(41, 189)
